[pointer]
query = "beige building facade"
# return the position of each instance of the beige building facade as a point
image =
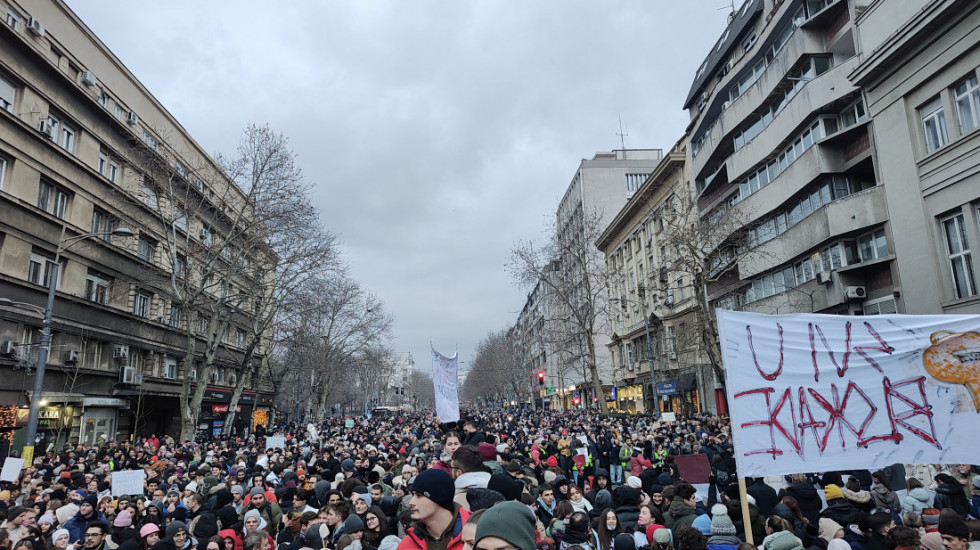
(86, 149)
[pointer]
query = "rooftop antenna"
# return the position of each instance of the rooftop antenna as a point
(622, 133)
(731, 13)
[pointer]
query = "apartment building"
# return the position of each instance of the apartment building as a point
(87, 153)
(658, 357)
(783, 159)
(919, 73)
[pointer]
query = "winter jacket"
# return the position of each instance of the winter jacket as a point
(723, 542)
(951, 496)
(415, 536)
(844, 513)
(271, 513)
(77, 525)
(467, 481)
(916, 501)
(764, 495)
(679, 514)
(628, 515)
(885, 499)
(807, 497)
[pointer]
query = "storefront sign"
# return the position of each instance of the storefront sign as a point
(224, 409)
(613, 394)
(667, 388)
(105, 402)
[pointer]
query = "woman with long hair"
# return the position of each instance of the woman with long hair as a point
(375, 525)
(607, 528)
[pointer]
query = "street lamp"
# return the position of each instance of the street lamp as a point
(42, 357)
(641, 290)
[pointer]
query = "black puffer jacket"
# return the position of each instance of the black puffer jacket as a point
(807, 497)
(951, 495)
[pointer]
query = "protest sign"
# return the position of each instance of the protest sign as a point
(127, 482)
(668, 417)
(445, 381)
(11, 468)
(275, 442)
(814, 393)
(694, 469)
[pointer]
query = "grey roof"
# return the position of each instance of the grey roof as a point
(718, 55)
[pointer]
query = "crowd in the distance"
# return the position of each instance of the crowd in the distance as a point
(500, 480)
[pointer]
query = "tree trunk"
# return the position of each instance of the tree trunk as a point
(236, 393)
(594, 372)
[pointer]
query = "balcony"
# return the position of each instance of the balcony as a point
(827, 89)
(848, 215)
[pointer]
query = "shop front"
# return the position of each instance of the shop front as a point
(56, 424)
(100, 419)
(631, 399)
(214, 412)
(680, 395)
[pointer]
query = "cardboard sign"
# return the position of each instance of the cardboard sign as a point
(128, 482)
(693, 468)
(11, 469)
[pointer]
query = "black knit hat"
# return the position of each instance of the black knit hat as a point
(436, 485)
(504, 484)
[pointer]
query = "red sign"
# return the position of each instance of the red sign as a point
(224, 408)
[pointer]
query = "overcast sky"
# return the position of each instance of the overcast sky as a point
(438, 134)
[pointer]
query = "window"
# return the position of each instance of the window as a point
(202, 325)
(117, 111)
(103, 98)
(13, 19)
(634, 181)
(150, 141)
(7, 94)
(871, 246)
(104, 224)
(141, 304)
(748, 42)
(52, 199)
(66, 138)
(240, 338)
(113, 174)
(3, 170)
(960, 259)
(170, 368)
(146, 248)
(103, 162)
(934, 124)
(97, 288)
(966, 95)
(39, 270)
(148, 195)
(180, 265)
(176, 315)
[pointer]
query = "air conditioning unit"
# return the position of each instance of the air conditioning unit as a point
(672, 355)
(35, 27)
(202, 234)
(8, 348)
(88, 78)
(824, 277)
(71, 357)
(128, 374)
(120, 352)
(132, 117)
(855, 292)
(46, 129)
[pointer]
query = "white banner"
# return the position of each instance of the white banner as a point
(815, 393)
(127, 482)
(444, 378)
(275, 442)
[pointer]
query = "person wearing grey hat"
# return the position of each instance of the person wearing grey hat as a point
(436, 519)
(722, 529)
(269, 511)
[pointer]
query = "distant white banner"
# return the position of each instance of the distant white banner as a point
(816, 393)
(128, 482)
(444, 379)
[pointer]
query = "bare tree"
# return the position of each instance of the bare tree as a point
(423, 390)
(574, 272)
(498, 368)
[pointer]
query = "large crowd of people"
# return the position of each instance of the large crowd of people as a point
(497, 480)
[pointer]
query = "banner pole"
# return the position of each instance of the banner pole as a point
(743, 498)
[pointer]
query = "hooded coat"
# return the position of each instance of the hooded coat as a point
(679, 514)
(807, 497)
(916, 501)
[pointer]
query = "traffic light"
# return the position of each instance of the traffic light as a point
(576, 400)
(540, 377)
